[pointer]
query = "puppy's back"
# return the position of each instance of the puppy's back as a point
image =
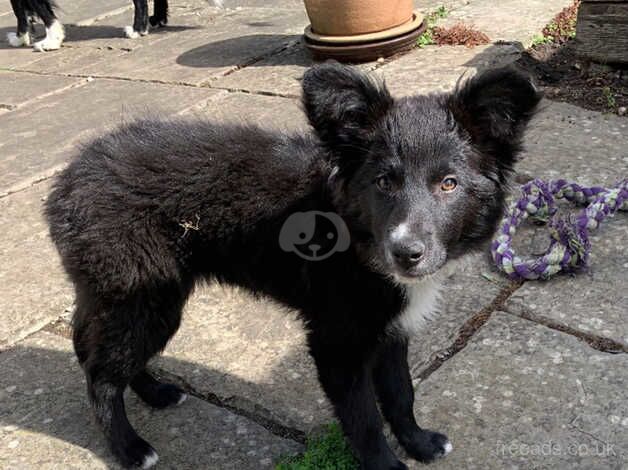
(120, 209)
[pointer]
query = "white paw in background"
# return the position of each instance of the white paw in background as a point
(53, 40)
(150, 460)
(19, 41)
(132, 34)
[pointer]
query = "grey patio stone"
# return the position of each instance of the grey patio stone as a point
(17, 88)
(33, 287)
(37, 149)
(566, 141)
(521, 395)
(45, 421)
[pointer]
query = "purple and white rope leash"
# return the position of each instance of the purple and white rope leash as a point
(569, 246)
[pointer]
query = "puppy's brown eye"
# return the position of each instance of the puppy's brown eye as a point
(383, 183)
(448, 184)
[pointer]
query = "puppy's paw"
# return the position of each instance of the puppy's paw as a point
(426, 446)
(53, 40)
(132, 34)
(136, 453)
(16, 40)
(162, 395)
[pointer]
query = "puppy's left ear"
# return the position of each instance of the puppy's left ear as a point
(494, 108)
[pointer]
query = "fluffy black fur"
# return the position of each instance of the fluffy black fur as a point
(145, 212)
(26, 10)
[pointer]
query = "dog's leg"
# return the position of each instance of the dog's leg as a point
(160, 16)
(54, 29)
(348, 385)
(22, 37)
(140, 20)
(113, 343)
(393, 385)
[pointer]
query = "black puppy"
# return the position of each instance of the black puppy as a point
(143, 213)
(26, 10)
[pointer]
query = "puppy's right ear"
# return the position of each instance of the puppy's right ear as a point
(343, 105)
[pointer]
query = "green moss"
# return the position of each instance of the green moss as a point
(327, 451)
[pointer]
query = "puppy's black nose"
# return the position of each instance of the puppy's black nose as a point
(408, 255)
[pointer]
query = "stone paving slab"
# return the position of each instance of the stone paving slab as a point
(425, 70)
(33, 144)
(253, 352)
(438, 68)
(45, 422)
(507, 20)
(17, 88)
(565, 141)
(521, 395)
(272, 112)
(33, 288)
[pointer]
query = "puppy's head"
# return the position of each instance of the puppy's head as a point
(419, 180)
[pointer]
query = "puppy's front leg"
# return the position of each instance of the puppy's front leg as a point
(391, 376)
(346, 379)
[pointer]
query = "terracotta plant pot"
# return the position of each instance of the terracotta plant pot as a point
(351, 17)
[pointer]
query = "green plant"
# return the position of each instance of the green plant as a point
(327, 451)
(541, 39)
(427, 38)
(609, 96)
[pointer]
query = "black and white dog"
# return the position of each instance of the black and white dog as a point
(27, 10)
(398, 187)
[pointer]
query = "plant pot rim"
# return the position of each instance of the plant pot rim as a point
(412, 24)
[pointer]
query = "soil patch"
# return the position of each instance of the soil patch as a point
(459, 35)
(564, 76)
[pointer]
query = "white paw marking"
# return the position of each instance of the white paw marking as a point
(182, 398)
(150, 460)
(53, 40)
(19, 41)
(131, 33)
(421, 302)
(448, 448)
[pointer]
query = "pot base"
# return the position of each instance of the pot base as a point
(365, 47)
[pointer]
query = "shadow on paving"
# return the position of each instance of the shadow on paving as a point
(44, 392)
(213, 53)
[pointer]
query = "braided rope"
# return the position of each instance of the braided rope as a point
(569, 246)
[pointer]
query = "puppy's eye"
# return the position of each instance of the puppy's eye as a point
(448, 184)
(383, 183)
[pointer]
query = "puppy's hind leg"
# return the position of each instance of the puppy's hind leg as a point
(22, 37)
(160, 15)
(55, 34)
(113, 342)
(140, 20)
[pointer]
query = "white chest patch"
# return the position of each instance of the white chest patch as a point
(422, 303)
